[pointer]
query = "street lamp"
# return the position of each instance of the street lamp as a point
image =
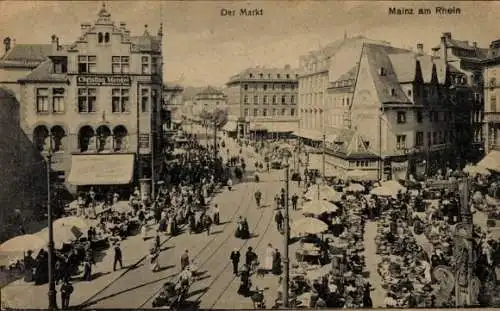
(286, 261)
(52, 284)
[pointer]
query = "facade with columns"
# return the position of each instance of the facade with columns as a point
(99, 96)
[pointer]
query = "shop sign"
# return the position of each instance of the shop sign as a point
(103, 80)
(399, 170)
(143, 143)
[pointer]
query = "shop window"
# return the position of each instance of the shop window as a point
(120, 64)
(87, 64)
(400, 142)
(144, 100)
(120, 100)
(401, 117)
(58, 105)
(87, 100)
(42, 100)
(145, 65)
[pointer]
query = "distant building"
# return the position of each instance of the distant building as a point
(262, 102)
(491, 99)
(208, 100)
(95, 104)
(172, 105)
(466, 69)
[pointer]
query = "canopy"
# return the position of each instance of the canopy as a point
(325, 193)
(355, 188)
(357, 175)
(307, 225)
(105, 169)
(62, 234)
(388, 188)
(476, 170)
(230, 126)
(23, 243)
(281, 127)
(318, 207)
(309, 134)
(491, 161)
(72, 221)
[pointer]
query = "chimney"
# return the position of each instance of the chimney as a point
(420, 48)
(474, 44)
(443, 49)
(6, 43)
(447, 35)
(54, 43)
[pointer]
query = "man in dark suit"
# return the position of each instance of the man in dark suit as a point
(235, 259)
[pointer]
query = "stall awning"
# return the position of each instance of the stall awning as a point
(230, 126)
(281, 127)
(309, 134)
(257, 127)
(491, 161)
(105, 169)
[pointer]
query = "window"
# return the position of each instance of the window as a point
(274, 111)
(87, 64)
(99, 37)
(401, 117)
(283, 99)
(283, 86)
(435, 138)
(288, 76)
(278, 75)
(292, 112)
(283, 111)
(106, 37)
(261, 76)
(292, 99)
(120, 64)
(274, 99)
(246, 112)
(264, 112)
(255, 112)
(154, 65)
(393, 92)
(154, 99)
(120, 100)
(256, 100)
(42, 100)
(429, 139)
(245, 87)
(255, 86)
(419, 139)
(419, 117)
(245, 100)
(409, 93)
(58, 100)
(145, 65)
(493, 103)
(87, 100)
(441, 138)
(347, 102)
(401, 142)
(382, 71)
(264, 100)
(61, 66)
(251, 75)
(264, 87)
(144, 100)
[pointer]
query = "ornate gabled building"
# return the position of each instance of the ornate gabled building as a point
(95, 104)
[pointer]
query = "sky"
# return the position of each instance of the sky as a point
(201, 47)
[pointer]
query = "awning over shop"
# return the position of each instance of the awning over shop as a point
(257, 127)
(177, 121)
(105, 169)
(230, 126)
(309, 134)
(491, 161)
(281, 127)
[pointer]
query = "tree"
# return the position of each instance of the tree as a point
(219, 116)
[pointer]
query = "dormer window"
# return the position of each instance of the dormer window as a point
(393, 92)
(106, 37)
(60, 65)
(382, 71)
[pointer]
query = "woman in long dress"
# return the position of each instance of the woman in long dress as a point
(268, 263)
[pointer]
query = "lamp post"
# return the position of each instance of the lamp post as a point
(286, 261)
(323, 156)
(215, 138)
(205, 123)
(52, 283)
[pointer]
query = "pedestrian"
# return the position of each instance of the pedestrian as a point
(279, 220)
(118, 257)
(295, 199)
(229, 184)
(184, 260)
(66, 291)
(277, 201)
(87, 270)
(216, 214)
(235, 259)
(157, 240)
(207, 221)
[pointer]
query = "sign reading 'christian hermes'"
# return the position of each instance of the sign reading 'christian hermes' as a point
(103, 80)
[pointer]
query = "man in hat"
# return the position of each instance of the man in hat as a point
(66, 291)
(278, 218)
(185, 260)
(235, 259)
(117, 256)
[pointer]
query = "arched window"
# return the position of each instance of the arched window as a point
(58, 135)
(104, 138)
(86, 139)
(106, 37)
(40, 138)
(120, 134)
(99, 37)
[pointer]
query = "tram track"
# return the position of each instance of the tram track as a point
(148, 301)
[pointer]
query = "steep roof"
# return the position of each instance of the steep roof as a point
(45, 73)
(348, 143)
(387, 86)
(269, 74)
(349, 75)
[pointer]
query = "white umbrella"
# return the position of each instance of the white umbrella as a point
(476, 170)
(318, 273)
(307, 225)
(318, 207)
(72, 221)
(23, 243)
(325, 193)
(62, 234)
(392, 184)
(356, 174)
(355, 188)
